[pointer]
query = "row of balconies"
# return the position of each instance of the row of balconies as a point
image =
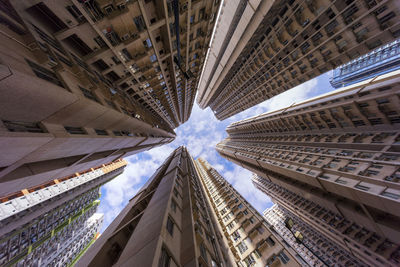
(358, 234)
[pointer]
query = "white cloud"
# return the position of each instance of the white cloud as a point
(118, 191)
(240, 179)
(199, 134)
(285, 99)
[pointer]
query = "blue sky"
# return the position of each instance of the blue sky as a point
(200, 134)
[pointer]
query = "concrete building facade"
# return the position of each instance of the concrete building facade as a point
(167, 223)
(135, 47)
(59, 113)
(382, 60)
(368, 247)
(49, 224)
(250, 238)
(316, 243)
(171, 222)
(263, 48)
(338, 150)
(72, 249)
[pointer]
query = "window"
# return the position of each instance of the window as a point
(44, 73)
(140, 24)
(18, 126)
(250, 261)
(257, 253)
(231, 225)
(235, 235)
(101, 65)
(165, 259)
(100, 132)
(75, 130)
(251, 220)
(74, 11)
(175, 192)
(283, 257)
(242, 247)
(126, 54)
(100, 41)
(270, 241)
(170, 226)
(88, 94)
(362, 187)
(173, 205)
(227, 217)
(203, 252)
(391, 195)
(115, 60)
(341, 181)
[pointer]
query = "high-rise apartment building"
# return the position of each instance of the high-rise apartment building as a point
(167, 223)
(338, 150)
(66, 104)
(52, 223)
(250, 238)
(74, 244)
(171, 221)
(382, 60)
(348, 235)
(263, 48)
(149, 52)
(70, 250)
(316, 244)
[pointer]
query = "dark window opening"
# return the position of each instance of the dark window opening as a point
(41, 12)
(78, 45)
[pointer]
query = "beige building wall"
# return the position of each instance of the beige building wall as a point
(167, 223)
(318, 245)
(272, 46)
(44, 224)
(251, 240)
(60, 114)
(338, 150)
(349, 234)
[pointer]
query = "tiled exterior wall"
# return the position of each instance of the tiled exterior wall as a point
(248, 236)
(317, 244)
(286, 43)
(167, 223)
(339, 150)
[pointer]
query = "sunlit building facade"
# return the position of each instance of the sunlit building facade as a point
(167, 223)
(171, 222)
(63, 107)
(250, 238)
(338, 150)
(382, 60)
(70, 250)
(52, 223)
(263, 48)
(317, 245)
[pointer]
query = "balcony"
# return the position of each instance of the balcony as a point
(273, 261)
(302, 17)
